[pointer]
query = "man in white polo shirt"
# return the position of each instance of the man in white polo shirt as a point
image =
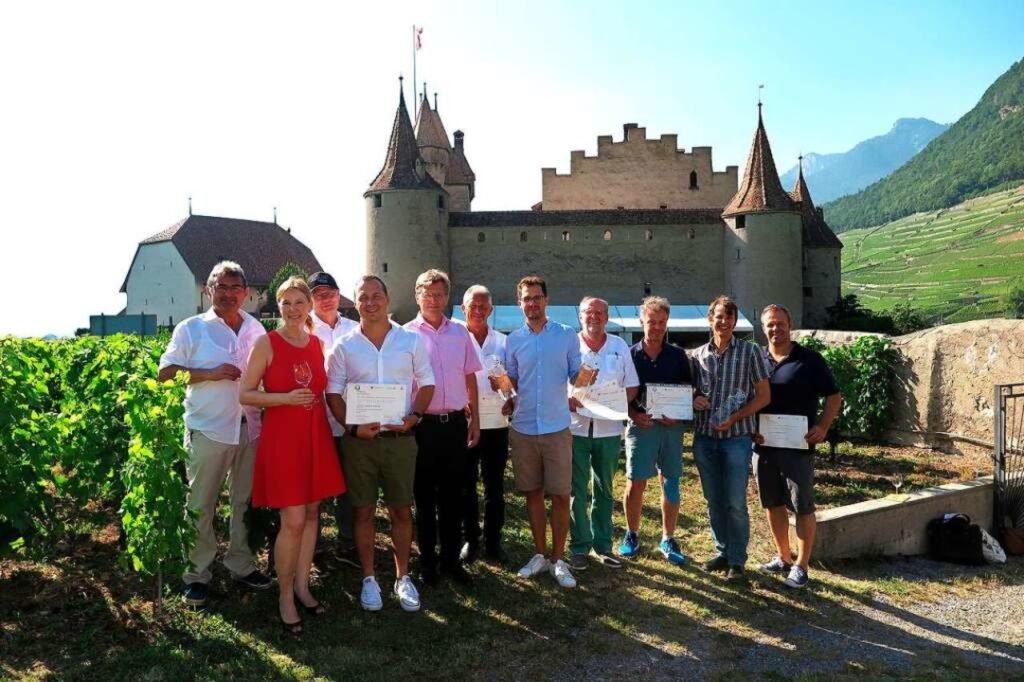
(329, 326)
(596, 442)
(221, 435)
(381, 456)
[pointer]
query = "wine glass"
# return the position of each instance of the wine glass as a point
(496, 369)
(303, 376)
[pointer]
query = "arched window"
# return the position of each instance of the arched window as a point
(566, 235)
(607, 235)
(522, 236)
(648, 235)
(481, 237)
(693, 180)
(693, 233)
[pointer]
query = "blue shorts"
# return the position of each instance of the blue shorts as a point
(654, 450)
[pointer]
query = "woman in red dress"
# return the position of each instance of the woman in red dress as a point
(296, 464)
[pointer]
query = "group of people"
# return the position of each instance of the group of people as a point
(270, 412)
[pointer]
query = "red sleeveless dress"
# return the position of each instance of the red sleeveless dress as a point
(296, 462)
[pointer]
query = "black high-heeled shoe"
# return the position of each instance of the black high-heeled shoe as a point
(294, 629)
(317, 609)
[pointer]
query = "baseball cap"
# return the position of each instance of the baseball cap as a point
(321, 279)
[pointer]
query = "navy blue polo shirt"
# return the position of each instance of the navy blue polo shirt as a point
(798, 382)
(670, 367)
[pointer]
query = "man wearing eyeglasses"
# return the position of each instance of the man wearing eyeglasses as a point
(329, 326)
(221, 435)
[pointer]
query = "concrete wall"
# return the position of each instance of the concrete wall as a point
(405, 236)
(459, 197)
(161, 284)
(638, 173)
(822, 272)
(681, 262)
(763, 264)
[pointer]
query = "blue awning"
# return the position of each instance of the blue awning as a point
(621, 318)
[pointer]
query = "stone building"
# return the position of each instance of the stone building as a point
(641, 217)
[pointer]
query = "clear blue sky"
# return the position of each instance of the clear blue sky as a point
(115, 112)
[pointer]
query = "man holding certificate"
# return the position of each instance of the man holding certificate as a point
(371, 373)
(654, 437)
(490, 456)
(445, 434)
(542, 355)
(732, 378)
(784, 459)
(597, 425)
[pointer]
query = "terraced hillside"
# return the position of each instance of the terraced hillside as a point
(955, 264)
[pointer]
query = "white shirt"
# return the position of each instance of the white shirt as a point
(204, 342)
(494, 344)
(402, 359)
(330, 335)
(615, 365)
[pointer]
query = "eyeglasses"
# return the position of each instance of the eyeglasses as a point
(229, 288)
(532, 299)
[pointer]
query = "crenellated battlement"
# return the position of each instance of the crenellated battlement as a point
(637, 172)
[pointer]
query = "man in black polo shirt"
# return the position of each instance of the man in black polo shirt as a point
(785, 477)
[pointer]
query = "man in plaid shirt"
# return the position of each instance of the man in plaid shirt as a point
(732, 378)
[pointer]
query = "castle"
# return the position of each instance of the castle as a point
(642, 217)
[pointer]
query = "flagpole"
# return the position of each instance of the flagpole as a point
(415, 108)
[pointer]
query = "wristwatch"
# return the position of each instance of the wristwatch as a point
(353, 430)
(419, 416)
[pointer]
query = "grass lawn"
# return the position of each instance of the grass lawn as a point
(81, 617)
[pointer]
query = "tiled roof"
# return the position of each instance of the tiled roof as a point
(459, 171)
(260, 248)
(761, 191)
(430, 130)
(682, 216)
(400, 165)
(816, 232)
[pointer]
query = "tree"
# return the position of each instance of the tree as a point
(1015, 300)
(905, 319)
(287, 270)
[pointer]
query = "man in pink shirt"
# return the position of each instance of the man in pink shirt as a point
(444, 435)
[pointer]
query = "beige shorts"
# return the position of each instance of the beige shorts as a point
(543, 461)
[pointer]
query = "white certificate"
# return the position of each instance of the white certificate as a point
(674, 401)
(784, 430)
(604, 401)
(490, 411)
(374, 403)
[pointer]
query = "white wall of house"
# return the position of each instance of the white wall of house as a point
(161, 284)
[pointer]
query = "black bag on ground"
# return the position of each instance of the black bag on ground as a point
(954, 538)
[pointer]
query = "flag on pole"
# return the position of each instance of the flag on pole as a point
(417, 32)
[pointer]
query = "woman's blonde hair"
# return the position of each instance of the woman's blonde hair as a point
(296, 284)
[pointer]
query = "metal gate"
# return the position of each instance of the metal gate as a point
(1009, 456)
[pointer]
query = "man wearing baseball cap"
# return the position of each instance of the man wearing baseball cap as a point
(329, 325)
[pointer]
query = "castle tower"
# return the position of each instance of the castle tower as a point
(432, 139)
(822, 257)
(763, 238)
(461, 180)
(406, 218)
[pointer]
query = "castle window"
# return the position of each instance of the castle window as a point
(741, 222)
(663, 206)
(737, 255)
(607, 235)
(172, 299)
(481, 237)
(522, 236)
(378, 200)
(647, 288)
(385, 267)
(566, 235)
(693, 233)
(440, 202)
(808, 292)
(693, 180)
(648, 235)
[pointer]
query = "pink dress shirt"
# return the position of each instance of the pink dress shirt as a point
(452, 356)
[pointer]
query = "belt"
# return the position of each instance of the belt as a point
(444, 418)
(394, 434)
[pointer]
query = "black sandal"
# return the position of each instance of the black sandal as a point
(293, 629)
(317, 609)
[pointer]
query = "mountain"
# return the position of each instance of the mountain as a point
(981, 153)
(830, 176)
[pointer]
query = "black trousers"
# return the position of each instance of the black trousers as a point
(441, 464)
(488, 461)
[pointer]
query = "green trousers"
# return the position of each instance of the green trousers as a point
(590, 520)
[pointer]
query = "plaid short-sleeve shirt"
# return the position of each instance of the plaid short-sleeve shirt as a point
(731, 373)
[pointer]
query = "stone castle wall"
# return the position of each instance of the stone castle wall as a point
(822, 282)
(638, 173)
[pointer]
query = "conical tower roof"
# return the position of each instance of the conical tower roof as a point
(816, 232)
(761, 190)
(402, 165)
(430, 130)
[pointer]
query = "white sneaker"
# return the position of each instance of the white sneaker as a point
(370, 596)
(562, 574)
(408, 597)
(536, 565)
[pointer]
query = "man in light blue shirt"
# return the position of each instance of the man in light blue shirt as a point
(542, 355)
